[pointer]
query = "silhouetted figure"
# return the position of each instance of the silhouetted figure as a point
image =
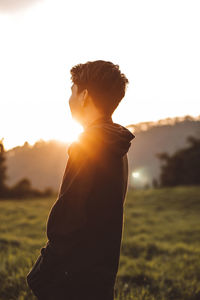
(84, 228)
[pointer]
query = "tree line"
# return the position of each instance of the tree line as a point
(23, 188)
(182, 167)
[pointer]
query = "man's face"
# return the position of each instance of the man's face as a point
(75, 103)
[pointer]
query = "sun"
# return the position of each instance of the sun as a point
(72, 132)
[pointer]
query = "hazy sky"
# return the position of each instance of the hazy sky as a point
(156, 44)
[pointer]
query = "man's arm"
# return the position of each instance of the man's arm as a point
(67, 223)
(80, 223)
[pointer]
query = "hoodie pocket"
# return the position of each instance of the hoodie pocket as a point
(46, 273)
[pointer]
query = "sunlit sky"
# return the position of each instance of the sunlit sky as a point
(156, 44)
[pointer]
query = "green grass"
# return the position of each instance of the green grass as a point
(160, 254)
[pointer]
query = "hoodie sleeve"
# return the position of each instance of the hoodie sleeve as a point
(81, 221)
(66, 225)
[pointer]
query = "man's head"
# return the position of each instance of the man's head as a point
(97, 89)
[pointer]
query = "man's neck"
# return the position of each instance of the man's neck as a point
(98, 119)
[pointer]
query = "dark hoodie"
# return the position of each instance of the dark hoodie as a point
(84, 226)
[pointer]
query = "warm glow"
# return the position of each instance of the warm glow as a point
(66, 132)
(160, 59)
(135, 174)
(71, 134)
(140, 176)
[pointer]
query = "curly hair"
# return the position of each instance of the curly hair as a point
(104, 82)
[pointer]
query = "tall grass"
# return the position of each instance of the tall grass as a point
(160, 253)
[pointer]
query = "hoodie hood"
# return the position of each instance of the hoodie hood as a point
(107, 134)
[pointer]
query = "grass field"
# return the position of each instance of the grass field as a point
(160, 254)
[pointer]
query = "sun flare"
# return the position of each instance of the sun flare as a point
(74, 129)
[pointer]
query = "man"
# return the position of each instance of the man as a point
(84, 227)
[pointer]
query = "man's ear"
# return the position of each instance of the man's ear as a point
(85, 96)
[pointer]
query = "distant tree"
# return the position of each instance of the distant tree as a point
(155, 183)
(26, 144)
(183, 167)
(188, 118)
(22, 188)
(146, 186)
(48, 192)
(3, 187)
